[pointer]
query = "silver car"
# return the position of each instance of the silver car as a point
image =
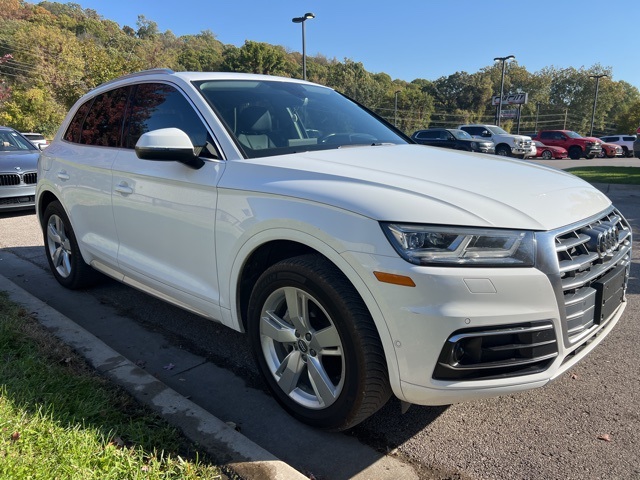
(18, 167)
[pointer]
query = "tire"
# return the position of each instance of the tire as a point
(626, 153)
(62, 252)
(575, 153)
(547, 155)
(326, 365)
(503, 151)
(602, 154)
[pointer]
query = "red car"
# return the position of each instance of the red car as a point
(546, 152)
(610, 150)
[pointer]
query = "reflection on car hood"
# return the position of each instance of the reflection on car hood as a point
(414, 183)
(27, 161)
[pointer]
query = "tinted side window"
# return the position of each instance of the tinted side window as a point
(547, 135)
(628, 139)
(427, 135)
(157, 105)
(474, 130)
(103, 123)
(75, 127)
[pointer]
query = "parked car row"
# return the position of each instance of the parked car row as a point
(547, 144)
(478, 138)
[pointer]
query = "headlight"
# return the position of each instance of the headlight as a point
(457, 246)
(519, 142)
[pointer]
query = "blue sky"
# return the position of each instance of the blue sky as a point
(415, 38)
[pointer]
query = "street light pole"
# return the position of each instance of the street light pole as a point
(595, 99)
(504, 63)
(302, 20)
(395, 109)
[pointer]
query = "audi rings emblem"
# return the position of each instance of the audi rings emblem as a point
(603, 238)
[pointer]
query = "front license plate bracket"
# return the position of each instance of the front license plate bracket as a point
(610, 293)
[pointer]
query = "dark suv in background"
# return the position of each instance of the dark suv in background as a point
(452, 138)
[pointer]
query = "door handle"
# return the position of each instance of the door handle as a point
(63, 175)
(124, 189)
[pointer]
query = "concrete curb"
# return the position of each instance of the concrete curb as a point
(223, 443)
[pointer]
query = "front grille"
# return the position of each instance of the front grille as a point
(13, 179)
(594, 254)
(9, 179)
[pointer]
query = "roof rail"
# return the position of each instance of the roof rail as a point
(151, 71)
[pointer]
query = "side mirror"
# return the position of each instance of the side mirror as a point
(168, 144)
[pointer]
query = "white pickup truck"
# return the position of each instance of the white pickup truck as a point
(506, 144)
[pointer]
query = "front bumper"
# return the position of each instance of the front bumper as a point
(564, 297)
(526, 151)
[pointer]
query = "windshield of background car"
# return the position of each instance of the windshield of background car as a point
(573, 135)
(11, 141)
(461, 135)
(274, 118)
(496, 130)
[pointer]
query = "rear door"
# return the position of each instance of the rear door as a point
(82, 163)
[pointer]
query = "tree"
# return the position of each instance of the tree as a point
(257, 57)
(201, 52)
(146, 28)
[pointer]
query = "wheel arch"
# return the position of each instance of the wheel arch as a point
(270, 247)
(44, 199)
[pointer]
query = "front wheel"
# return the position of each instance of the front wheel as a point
(547, 155)
(503, 151)
(316, 345)
(575, 153)
(62, 252)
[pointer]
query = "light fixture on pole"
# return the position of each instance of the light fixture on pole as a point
(395, 109)
(302, 20)
(595, 99)
(504, 62)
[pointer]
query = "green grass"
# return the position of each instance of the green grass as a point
(625, 175)
(60, 420)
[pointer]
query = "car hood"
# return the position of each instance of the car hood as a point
(11, 161)
(420, 184)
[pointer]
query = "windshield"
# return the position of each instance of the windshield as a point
(461, 134)
(273, 117)
(496, 130)
(11, 141)
(571, 134)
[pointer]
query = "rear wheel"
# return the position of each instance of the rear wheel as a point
(62, 250)
(547, 155)
(316, 345)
